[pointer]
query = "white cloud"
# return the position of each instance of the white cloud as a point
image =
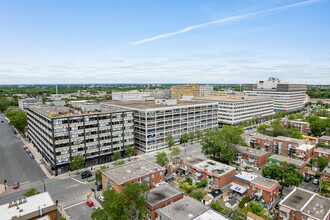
(223, 20)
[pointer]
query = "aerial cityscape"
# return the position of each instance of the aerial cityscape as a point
(165, 110)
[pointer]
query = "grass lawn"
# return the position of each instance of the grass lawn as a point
(247, 209)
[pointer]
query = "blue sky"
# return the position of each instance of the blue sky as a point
(186, 41)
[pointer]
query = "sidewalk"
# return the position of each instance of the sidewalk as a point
(2, 189)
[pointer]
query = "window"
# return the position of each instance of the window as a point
(161, 179)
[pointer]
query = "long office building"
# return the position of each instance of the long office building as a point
(232, 109)
(155, 120)
(287, 97)
(190, 90)
(90, 129)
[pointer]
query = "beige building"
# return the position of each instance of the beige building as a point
(192, 90)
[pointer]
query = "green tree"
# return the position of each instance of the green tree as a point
(256, 208)
(4, 104)
(198, 194)
(221, 143)
(31, 192)
(115, 156)
(199, 134)
(322, 163)
(184, 139)
(216, 206)
(297, 135)
(18, 119)
(98, 174)
(285, 175)
(191, 136)
(123, 206)
(162, 159)
(317, 127)
(175, 151)
(129, 151)
(77, 162)
(291, 117)
(62, 218)
(170, 141)
(262, 129)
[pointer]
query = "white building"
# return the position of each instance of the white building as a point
(205, 89)
(287, 97)
(24, 103)
(155, 120)
(234, 109)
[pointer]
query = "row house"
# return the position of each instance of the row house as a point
(286, 145)
(141, 171)
(301, 125)
(263, 190)
(251, 157)
(322, 152)
(302, 204)
(324, 140)
(160, 197)
(279, 160)
(265, 142)
(303, 152)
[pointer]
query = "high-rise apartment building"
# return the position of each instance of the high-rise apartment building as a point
(90, 129)
(287, 97)
(233, 109)
(155, 120)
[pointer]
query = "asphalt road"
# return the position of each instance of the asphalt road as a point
(15, 163)
(79, 212)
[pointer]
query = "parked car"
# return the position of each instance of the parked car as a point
(99, 187)
(1, 121)
(101, 198)
(316, 181)
(95, 208)
(90, 203)
(276, 205)
(18, 136)
(86, 174)
(28, 151)
(25, 147)
(16, 185)
(307, 179)
(31, 155)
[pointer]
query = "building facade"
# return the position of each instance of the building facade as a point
(233, 109)
(141, 171)
(301, 125)
(155, 120)
(324, 140)
(287, 97)
(60, 132)
(191, 90)
(279, 160)
(24, 103)
(322, 152)
(263, 190)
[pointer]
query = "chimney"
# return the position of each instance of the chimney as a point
(186, 203)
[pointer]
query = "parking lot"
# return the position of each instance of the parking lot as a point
(15, 163)
(81, 212)
(309, 186)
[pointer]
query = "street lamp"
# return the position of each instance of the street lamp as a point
(44, 185)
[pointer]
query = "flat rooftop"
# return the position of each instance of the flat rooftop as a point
(74, 110)
(305, 147)
(31, 205)
(245, 177)
(322, 149)
(265, 182)
(161, 194)
(288, 139)
(308, 202)
(144, 105)
(298, 163)
(326, 171)
(262, 136)
(325, 138)
(132, 170)
(251, 151)
(183, 209)
(215, 167)
(232, 98)
(190, 159)
(211, 215)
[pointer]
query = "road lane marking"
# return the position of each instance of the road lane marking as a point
(25, 183)
(72, 186)
(74, 205)
(77, 180)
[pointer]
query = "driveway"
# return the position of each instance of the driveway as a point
(15, 163)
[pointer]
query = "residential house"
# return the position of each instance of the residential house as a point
(302, 204)
(160, 197)
(325, 174)
(278, 159)
(141, 171)
(180, 163)
(324, 140)
(263, 190)
(322, 152)
(265, 142)
(251, 157)
(301, 125)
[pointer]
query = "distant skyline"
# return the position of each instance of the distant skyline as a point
(188, 41)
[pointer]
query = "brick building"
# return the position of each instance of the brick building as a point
(324, 140)
(265, 142)
(286, 145)
(263, 190)
(302, 204)
(303, 152)
(278, 159)
(33, 207)
(325, 174)
(251, 157)
(322, 152)
(160, 197)
(183, 161)
(301, 125)
(241, 183)
(141, 171)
